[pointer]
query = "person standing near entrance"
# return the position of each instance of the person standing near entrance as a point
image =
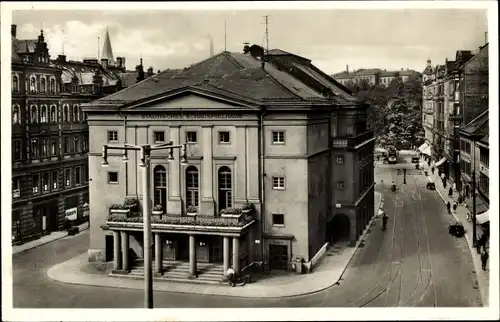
(230, 274)
(484, 259)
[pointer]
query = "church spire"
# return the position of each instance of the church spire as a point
(107, 52)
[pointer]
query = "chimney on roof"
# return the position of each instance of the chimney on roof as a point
(150, 71)
(104, 63)
(61, 58)
(347, 69)
(13, 31)
(246, 48)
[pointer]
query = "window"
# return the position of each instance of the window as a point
(279, 183)
(191, 137)
(45, 147)
(15, 83)
(53, 147)
(484, 156)
(340, 159)
(279, 137)
(67, 146)
(76, 144)
(32, 84)
(159, 136)
(16, 188)
(66, 113)
(112, 136)
(85, 144)
(278, 220)
(16, 150)
(52, 85)
(78, 176)
(113, 177)
(225, 188)
(34, 114)
(34, 148)
(53, 114)
(15, 115)
(224, 137)
(36, 183)
(76, 114)
(192, 186)
(484, 183)
(340, 185)
(45, 181)
(43, 114)
(43, 85)
(55, 179)
(67, 177)
(160, 184)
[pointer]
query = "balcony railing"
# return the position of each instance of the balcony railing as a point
(183, 220)
(352, 141)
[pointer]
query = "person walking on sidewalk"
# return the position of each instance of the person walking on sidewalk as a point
(230, 275)
(432, 170)
(478, 245)
(455, 205)
(484, 259)
(448, 207)
(450, 192)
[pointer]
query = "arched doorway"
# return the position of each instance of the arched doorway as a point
(338, 229)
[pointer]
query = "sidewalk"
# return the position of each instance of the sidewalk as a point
(45, 239)
(483, 277)
(326, 274)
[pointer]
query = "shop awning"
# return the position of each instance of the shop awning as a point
(481, 205)
(440, 162)
(425, 149)
(483, 218)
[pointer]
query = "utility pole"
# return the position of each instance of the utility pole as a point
(266, 17)
(474, 241)
(404, 176)
(98, 41)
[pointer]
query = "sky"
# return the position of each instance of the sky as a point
(331, 38)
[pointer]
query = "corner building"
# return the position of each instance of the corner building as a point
(273, 131)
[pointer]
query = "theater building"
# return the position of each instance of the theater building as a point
(279, 162)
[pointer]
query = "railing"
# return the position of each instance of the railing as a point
(182, 220)
(351, 141)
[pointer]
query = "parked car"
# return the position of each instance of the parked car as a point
(456, 229)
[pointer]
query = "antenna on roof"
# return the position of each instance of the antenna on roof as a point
(266, 17)
(98, 41)
(225, 36)
(64, 39)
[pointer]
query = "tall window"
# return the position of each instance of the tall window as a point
(192, 186)
(43, 85)
(53, 114)
(43, 114)
(32, 84)
(484, 156)
(15, 83)
(45, 181)
(52, 85)
(67, 177)
(78, 176)
(15, 114)
(36, 183)
(34, 148)
(34, 114)
(16, 150)
(160, 183)
(76, 144)
(45, 147)
(76, 115)
(55, 179)
(66, 113)
(225, 188)
(67, 145)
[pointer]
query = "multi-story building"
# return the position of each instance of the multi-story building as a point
(474, 157)
(50, 135)
(272, 132)
(459, 91)
(373, 76)
(428, 78)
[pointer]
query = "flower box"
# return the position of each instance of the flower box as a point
(191, 213)
(157, 212)
(120, 211)
(231, 213)
(246, 211)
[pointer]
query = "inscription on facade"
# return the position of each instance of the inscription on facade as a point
(190, 115)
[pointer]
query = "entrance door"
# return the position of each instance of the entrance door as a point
(109, 241)
(278, 257)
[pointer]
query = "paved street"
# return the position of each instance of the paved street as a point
(415, 262)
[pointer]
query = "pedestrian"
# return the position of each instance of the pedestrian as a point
(478, 245)
(444, 183)
(429, 162)
(432, 170)
(450, 192)
(460, 198)
(378, 157)
(448, 207)
(467, 190)
(230, 275)
(484, 259)
(484, 240)
(455, 205)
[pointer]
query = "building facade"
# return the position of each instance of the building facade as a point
(373, 76)
(50, 136)
(273, 134)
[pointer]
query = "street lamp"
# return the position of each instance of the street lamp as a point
(145, 153)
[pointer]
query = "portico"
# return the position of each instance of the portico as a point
(203, 244)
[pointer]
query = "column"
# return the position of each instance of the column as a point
(192, 256)
(226, 255)
(239, 170)
(117, 260)
(236, 255)
(158, 254)
(207, 205)
(125, 247)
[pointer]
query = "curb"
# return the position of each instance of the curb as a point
(484, 298)
(51, 275)
(43, 243)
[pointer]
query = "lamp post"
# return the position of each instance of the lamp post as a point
(145, 153)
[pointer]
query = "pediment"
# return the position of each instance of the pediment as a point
(191, 100)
